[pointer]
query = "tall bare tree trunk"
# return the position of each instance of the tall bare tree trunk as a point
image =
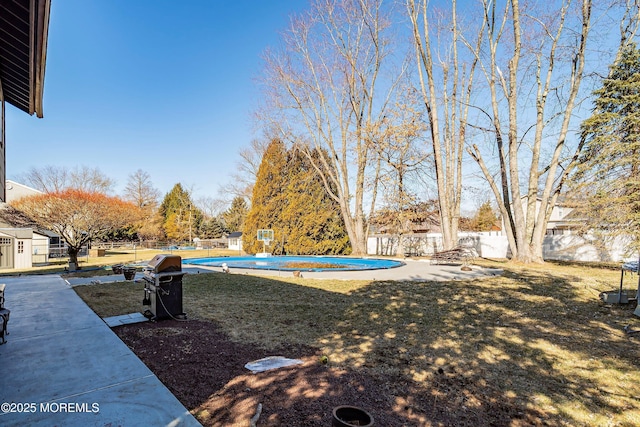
(525, 215)
(448, 128)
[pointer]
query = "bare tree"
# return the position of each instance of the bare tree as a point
(78, 216)
(445, 80)
(51, 179)
(247, 169)
(325, 92)
(140, 190)
(211, 207)
(398, 141)
(48, 179)
(141, 193)
(533, 58)
(88, 179)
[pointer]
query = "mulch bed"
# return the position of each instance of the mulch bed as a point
(205, 370)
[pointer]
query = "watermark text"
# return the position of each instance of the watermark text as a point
(50, 407)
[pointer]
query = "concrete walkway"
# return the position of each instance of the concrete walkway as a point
(63, 366)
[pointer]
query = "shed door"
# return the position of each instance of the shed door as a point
(6, 252)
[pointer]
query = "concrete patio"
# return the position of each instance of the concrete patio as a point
(413, 270)
(62, 365)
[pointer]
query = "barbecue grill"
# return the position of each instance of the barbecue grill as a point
(163, 288)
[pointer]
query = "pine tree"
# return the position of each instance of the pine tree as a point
(485, 218)
(212, 228)
(235, 216)
(311, 219)
(181, 217)
(608, 178)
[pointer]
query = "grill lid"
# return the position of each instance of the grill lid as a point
(163, 263)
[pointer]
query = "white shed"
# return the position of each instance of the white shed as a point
(235, 241)
(16, 248)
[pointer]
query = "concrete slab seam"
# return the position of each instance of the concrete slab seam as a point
(59, 332)
(106, 387)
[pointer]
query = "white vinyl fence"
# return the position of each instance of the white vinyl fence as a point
(493, 245)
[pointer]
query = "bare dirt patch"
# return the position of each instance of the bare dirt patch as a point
(205, 371)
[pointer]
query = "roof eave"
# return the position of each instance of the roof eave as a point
(40, 22)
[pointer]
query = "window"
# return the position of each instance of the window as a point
(20, 246)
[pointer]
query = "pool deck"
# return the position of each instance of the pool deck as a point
(412, 270)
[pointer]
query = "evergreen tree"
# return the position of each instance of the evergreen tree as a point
(608, 178)
(234, 217)
(290, 198)
(268, 199)
(181, 217)
(484, 219)
(212, 228)
(311, 219)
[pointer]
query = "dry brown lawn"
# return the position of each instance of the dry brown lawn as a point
(538, 339)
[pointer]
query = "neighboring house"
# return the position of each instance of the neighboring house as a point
(234, 241)
(423, 218)
(561, 221)
(21, 243)
(564, 220)
(562, 238)
(16, 191)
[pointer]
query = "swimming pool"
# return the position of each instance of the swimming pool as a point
(297, 263)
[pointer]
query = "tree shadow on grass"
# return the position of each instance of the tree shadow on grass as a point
(534, 342)
(522, 349)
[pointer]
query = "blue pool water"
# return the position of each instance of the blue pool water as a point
(287, 263)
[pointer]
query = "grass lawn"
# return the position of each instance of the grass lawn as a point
(537, 338)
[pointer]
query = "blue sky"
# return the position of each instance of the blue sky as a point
(160, 85)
